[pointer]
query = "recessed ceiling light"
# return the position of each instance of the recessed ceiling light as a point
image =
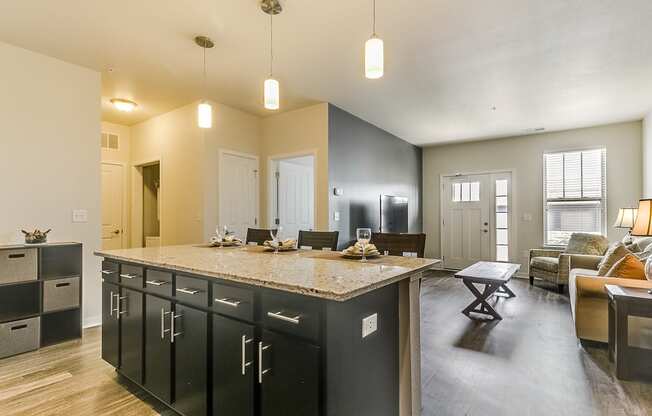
(124, 105)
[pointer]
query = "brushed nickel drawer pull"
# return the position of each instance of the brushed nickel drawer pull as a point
(108, 271)
(279, 315)
(62, 284)
(234, 303)
(14, 328)
(261, 372)
(188, 291)
(16, 256)
(156, 282)
(245, 363)
(128, 276)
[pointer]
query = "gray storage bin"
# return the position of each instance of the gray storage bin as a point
(59, 294)
(19, 336)
(18, 265)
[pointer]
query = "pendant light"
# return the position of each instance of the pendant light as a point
(204, 109)
(373, 53)
(271, 87)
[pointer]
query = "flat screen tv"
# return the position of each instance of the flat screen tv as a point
(393, 214)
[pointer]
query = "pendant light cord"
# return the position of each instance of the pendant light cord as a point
(271, 44)
(374, 19)
(204, 68)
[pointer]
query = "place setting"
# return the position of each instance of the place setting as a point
(277, 244)
(362, 249)
(224, 238)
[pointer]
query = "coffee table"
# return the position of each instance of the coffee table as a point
(494, 276)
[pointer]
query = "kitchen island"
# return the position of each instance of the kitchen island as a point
(240, 331)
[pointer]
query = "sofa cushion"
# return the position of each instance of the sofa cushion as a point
(583, 272)
(585, 243)
(615, 252)
(549, 264)
(629, 267)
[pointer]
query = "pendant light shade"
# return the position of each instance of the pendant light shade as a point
(374, 58)
(205, 115)
(272, 94)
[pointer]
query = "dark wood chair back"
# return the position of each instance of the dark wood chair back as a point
(319, 239)
(258, 235)
(397, 244)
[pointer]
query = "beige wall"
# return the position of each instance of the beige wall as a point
(298, 132)
(121, 156)
(50, 156)
(647, 156)
(524, 155)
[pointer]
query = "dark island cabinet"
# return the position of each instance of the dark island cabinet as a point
(110, 324)
(130, 310)
(158, 348)
(190, 335)
(233, 367)
(289, 376)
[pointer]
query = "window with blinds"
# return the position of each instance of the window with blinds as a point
(575, 194)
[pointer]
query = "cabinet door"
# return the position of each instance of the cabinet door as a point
(233, 367)
(131, 335)
(190, 361)
(110, 325)
(158, 349)
(290, 376)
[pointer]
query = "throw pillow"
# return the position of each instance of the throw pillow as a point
(633, 247)
(585, 243)
(629, 267)
(615, 252)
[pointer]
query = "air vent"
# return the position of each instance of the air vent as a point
(110, 141)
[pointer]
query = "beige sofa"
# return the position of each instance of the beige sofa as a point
(588, 298)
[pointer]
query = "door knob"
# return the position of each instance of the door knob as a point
(116, 232)
(485, 231)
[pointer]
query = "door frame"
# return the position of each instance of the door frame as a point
(124, 240)
(514, 257)
(220, 183)
(137, 201)
(271, 183)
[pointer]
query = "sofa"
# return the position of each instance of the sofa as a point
(553, 265)
(588, 298)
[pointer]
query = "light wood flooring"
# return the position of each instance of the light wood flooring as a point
(528, 364)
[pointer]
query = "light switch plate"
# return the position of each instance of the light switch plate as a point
(336, 216)
(79, 215)
(369, 325)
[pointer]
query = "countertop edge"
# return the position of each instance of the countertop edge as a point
(274, 285)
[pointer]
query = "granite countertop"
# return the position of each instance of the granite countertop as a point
(320, 274)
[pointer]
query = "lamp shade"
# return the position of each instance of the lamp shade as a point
(204, 116)
(374, 60)
(271, 93)
(626, 218)
(642, 225)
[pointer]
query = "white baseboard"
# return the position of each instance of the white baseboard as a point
(92, 321)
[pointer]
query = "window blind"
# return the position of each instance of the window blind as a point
(575, 194)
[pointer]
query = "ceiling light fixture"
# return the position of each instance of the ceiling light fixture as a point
(374, 58)
(271, 87)
(124, 105)
(204, 109)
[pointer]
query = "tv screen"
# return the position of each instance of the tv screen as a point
(393, 214)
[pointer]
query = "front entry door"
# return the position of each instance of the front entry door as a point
(112, 192)
(466, 220)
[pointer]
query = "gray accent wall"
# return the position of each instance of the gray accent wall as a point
(366, 162)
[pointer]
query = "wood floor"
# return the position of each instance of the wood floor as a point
(528, 364)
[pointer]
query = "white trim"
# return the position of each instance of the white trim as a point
(221, 153)
(92, 321)
(271, 183)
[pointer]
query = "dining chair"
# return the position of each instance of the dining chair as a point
(258, 235)
(400, 244)
(318, 240)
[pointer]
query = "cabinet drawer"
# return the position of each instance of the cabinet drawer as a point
(192, 291)
(19, 265)
(110, 271)
(233, 301)
(131, 276)
(19, 336)
(292, 314)
(60, 294)
(158, 282)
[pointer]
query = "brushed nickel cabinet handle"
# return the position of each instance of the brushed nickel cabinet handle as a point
(174, 334)
(108, 271)
(234, 303)
(245, 364)
(120, 299)
(156, 282)
(128, 276)
(296, 320)
(188, 291)
(163, 330)
(111, 303)
(116, 304)
(261, 372)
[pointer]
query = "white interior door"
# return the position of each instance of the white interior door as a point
(295, 193)
(466, 220)
(238, 197)
(112, 194)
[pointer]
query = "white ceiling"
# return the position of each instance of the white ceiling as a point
(556, 64)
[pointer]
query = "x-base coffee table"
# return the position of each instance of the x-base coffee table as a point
(494, 276)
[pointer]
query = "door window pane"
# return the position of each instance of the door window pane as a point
(501, 187)
(475, 191)
(502, 253)
(502, 220)
(457, 192)
(501, 237)
(466, 191)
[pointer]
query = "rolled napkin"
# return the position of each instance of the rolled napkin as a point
(285, 244)
(356, 250)
(228, 240)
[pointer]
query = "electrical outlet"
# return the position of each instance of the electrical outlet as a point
(79, 215)
(369, 325)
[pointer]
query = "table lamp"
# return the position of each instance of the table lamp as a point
(643, 228)
(626, 219)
